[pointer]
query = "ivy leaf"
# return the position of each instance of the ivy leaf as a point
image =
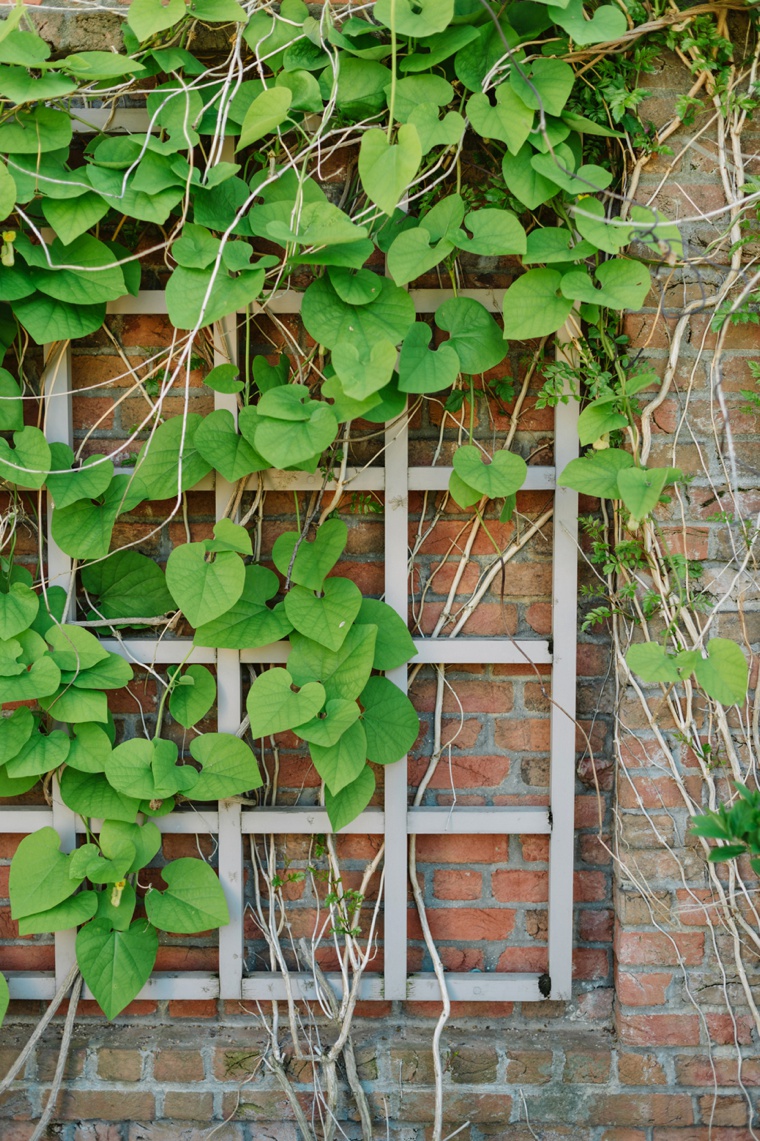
(340, 764)
(386, 169)
(41, 680)
(343, 672)
(223, 379)
(87, 482)
(47, 319)
(411, 254)
(345, 805)
(90, 748)
(362, 374)
(418, 18)
(624, 285)
(555, 244)
(126, 585)
(597, 474)
(640, 488)
(42, 753)
(218, 442)
(329, 320)
(274, 706)
(326, 619)
(146, 17)
(544, 84)
(84, 528)
(599, 418)
(28, 462)
(533, 307)
(204, 590)
(314, 560)
(723, 674)
(510, 119)
(157, 470)
(40, 874)
(265, 114)
(116, 964)
(421, 369)
(503, 475)
(193, 695)
(198, 297)
(229, 767)
(473, 334)
(193, 901)
(607, 22)
(394, 646)
(494, 233)
(435, 132)
(284, 439)
(522, 180)
(36, 131)
(147, 770)
(18, 609)
(71, 913)
(389, 719)
(250, 622)
(90, 794)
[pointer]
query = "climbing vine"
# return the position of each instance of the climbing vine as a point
(507, 131)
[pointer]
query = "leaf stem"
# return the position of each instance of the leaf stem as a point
(394, 49)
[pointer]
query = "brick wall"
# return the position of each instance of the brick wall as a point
(649, 1047)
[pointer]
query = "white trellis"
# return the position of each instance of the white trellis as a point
(396, 820)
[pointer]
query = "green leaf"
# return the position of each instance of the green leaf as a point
(503, 475)
(389, 720)
(89, 862)
(117, 908)
(229, 767)
(652, 664)
(42, 679)
(46, 319)
(28, 462)
(343, 672)
(363, 373)
(19, 86)
(144, 838)
(533, 307)
(74, 648)
(358, 288)
(41, 754)
(70, 913)
(36, 131)
(273, 706)
(329, 320)
(326, 619)
(411, 254)
(88, 482)
(599, 418)
(71, 704)
(223, 379)
(26, 48)
(112, 673)
(418, 18)
(196, 248)
(287, 441)
(204, 590)
(340, 764)
(83, 529)
(116, 964)
(494, 233)
(544, 84)
(7, 192)
(39, 876)
(15, 731)
(193, 901)
(522, 180)
(420, 368)
(198, 297)
(93, 65)
(90, 794)
(157, 470)
(510, 119)
(624, 285)
(419, 90)
(218, 442)
(328, 727)
(386, 169)
(193, 695)
(250, 622)
(90, 749)
(394, 646)
(345, 805)
(218, 11)
(11, 404)
(303, 88)
(640, 488)
(99, 279)
(146, 17)
(18, 609)
(432, 50)
(473, 334)
(267, 112)
(655, 231)
(435, 132)
(723, 674)
(127, 585)
(605, 24)
(314, 560)
(597, 474)
(147, 770)
(548, 244)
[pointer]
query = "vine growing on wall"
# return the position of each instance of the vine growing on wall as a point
(223, 201)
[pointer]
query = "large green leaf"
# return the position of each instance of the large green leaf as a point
(67, 485)
(127, 585)
(473, 334)
(363, 373)
(343, 672)
(146, 17)
(420, 369)
(524, 182)
(389, 720)
(286, 436)
(116, 964)
(40, 874)
(28, 462)
(90, 748)
(7, 191)
(340, 764)
(74, 648)
(193, 900)
(597, 474)
(393, 646)
(36, 131)
(89, 861)
(411, 254)
(204, 590)
(157, 471)
(436, 132)
(353, 798)
(147, 770)
(265, 114)
(70, 913)
(41, 754)
(273, 704)
(326, 618)
(641, 488)
(606, 23)
(42, 679)
(11, 404)
(84, 528)
(329, 320)
(71, 704)
(313, 560)
(47, 319)
(193, 695)
(544, 84)
(197, 297)
(90, 794)
(723, 674)
(503, 473)
(219, 442)
(72, 217)
(494, 233)
(651, 662)
(97, 277)
(250, 622)
(18, 609)
(229, 767)
(15, 731)
(418, 18)
(533, 306)
(508, 119)
(361, 86)
(386, 169)
(623, 284)
(144, 838)
(328, 727)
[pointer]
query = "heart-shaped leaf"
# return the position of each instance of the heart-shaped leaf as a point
(363, 374)
(250, 622)
(88, 862)
(433, 131)
(393, 646)
(328, 727)
(494, 233)
(198, 297)
(597, 474)
(127, 585)
(474, 334)
(389, 719)
(607, 22)
(146, 17)
(341, 763)
(117, 907)
(345, 805)
(147, 770)
(509, 119)
(15, 731)
(418, 18)
(193, 900)
(326, 619)
(420, 369)
(229, 767)
(411, 254)
(28, 462)
(533, 307)
(144, 838)
(285, 443)
(193, 695)
(544, 84)
(503, 475)
(116, 964)
(624, 285)
(39, 682)
(90, 794)
(87, 482)
(73, 911)
(524, 182)
(723, 674)
(204, 590)
(641, 488)
(386, 169)
(90, 748)
(223, 378)
(355, 288)
(39, 875)
(18, 609)
(73, 648)
(158, 467)
(314, 560)
(218, 441)
(42, 753)
(598, 418)
(265, 114)
(274, 705)
(329, 320)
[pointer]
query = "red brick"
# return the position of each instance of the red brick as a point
(186, 1008)
(178, 1066)
(520, 886)
(105, 1105)
(654, 949)
(643, 989)
(642, 1109)
(659, 1029)
(466, 923)
(525, 735)
(457, 884)
(462, 849)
